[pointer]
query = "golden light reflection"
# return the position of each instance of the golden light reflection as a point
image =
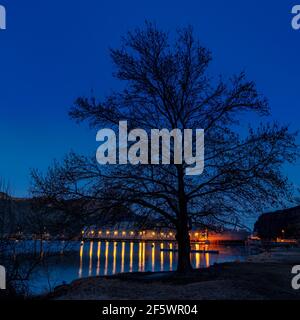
(207, 259)
(119, 260)
(98, 258)
(131, 257)
(123, 257)
(106, 258)
(140, 256)
(143, 256)
(153, 256)
(91, 257)
(171, 256)
(197, 255)
(80, 262)
(114, 258)
(161, 257)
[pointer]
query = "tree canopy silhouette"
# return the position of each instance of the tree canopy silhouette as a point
(166, 84)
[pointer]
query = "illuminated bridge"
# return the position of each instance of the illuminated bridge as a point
(163, 235)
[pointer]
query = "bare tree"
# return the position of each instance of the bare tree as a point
(6, 212)
(166, 85)
(18, 269)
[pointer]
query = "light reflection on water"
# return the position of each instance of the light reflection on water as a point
(107, 258)
(96, 258)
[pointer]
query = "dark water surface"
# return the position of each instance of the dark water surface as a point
(92, 258)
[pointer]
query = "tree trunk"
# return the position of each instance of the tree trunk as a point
(183, 240)
(182, 236)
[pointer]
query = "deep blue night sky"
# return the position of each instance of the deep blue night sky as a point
(54, 51)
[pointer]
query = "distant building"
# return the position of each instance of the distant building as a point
(283, 224)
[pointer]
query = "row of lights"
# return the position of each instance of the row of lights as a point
(131, 233)
(163, 234)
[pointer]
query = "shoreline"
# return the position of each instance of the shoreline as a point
(263, 276)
